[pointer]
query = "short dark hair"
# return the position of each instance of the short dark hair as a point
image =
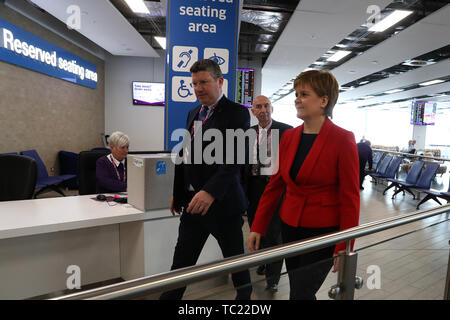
(207, 65)
(323, 83)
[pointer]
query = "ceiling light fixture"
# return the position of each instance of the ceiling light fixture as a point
(339, 55)
(394, 91)
(429, 83)
(390, 20)
(137, 6)
(161, 41)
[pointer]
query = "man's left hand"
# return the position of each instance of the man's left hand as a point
(335, 263)
(200, 203)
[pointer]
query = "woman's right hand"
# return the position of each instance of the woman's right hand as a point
(254, 239)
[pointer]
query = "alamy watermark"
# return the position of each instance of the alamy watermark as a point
(74, 280)
(74, 19)
(236, 146)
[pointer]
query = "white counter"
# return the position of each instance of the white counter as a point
(40, 238)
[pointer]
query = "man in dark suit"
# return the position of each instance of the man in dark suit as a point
(364, 155)
(209, 196)
(257, 176)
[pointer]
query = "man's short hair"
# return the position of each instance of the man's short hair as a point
(207, 65)
(323, 83)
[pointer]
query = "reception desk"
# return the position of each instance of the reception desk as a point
(40, 239)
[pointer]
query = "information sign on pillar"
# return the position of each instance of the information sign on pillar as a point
(197, 29)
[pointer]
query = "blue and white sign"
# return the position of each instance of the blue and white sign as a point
(161, 167)
(24, 49)
(197, 29)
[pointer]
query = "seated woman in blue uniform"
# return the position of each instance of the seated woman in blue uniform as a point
(111, 170)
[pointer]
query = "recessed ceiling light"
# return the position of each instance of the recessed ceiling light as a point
(429, 83)
(364, 82)
(137, 6)
(339, 55)
(161, 41)
(390, 20)
(394, 91)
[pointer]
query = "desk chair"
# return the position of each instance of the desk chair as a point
(17, 177)
(87, 180)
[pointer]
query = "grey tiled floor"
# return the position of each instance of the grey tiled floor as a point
(413, 265)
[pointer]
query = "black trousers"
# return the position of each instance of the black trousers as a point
(362, 171)
(308, 271)
(193, 232)
(272, 238)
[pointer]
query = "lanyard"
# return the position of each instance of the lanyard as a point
(117, 171)
(204, 120)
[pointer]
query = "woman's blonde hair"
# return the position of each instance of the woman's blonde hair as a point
(119, 139)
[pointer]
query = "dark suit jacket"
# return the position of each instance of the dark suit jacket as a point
(282, 127)
(325, 192)
(365, 154)
(222, 181)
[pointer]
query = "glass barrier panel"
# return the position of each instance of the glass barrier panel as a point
(411, 267)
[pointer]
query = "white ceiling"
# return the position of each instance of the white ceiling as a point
(103, 24)
(316, 26)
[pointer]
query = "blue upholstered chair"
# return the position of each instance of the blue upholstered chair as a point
(391, 169)
(411, 178)
(435, 195)
(381, 167)
(44, 181)
(423, 183)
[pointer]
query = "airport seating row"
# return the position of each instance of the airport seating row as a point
(419, 177)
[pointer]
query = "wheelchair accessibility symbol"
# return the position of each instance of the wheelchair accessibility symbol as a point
(182, 89)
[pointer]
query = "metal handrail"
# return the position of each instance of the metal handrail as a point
(410, 155)
(181, 277)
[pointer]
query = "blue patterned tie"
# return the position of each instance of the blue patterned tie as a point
(203, 113)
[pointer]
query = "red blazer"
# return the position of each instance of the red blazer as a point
(326, 190)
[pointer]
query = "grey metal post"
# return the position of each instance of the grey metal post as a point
(347, 275)
(347, 280)
(447, 283)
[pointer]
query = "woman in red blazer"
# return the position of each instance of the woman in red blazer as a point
(319, 169)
